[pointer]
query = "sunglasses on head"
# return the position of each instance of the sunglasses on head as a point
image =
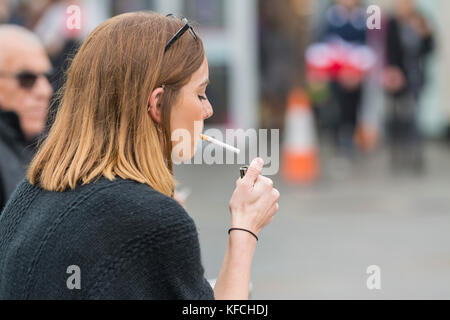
(27, 79)
(187, 26)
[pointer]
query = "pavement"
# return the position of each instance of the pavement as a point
(327, 234)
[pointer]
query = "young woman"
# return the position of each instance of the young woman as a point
(96, 218)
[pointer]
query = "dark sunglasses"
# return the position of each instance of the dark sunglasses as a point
(187, 26)
(27, 79)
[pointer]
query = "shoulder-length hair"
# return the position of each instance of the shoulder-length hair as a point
(103, 127)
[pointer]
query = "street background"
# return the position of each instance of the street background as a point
(373, 189)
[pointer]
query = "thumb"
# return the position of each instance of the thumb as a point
(253, 171)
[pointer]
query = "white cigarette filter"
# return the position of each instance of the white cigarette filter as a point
(219, 143)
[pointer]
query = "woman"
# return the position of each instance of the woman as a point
(96, 218)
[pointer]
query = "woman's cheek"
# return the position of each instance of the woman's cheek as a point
(198, 129)
(198, 124)
(193, 126)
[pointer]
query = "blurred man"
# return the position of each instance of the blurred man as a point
(25, 94)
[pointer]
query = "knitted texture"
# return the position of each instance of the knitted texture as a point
(128, 240)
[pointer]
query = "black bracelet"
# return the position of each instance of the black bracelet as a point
(231, 229)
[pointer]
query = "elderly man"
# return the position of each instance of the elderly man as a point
(25, 94)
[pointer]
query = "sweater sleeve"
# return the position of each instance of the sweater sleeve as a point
(160, 261)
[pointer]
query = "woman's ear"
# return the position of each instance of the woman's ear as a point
(154, 104)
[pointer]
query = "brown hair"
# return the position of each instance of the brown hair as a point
(103, 127)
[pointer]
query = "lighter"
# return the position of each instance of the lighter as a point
(243, 171)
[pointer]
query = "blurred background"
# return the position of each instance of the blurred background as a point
(364, 124)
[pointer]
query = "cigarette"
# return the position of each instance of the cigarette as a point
(219, 143)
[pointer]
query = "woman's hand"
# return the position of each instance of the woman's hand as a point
(254, 201)
(252, 206)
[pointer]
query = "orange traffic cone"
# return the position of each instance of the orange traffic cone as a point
(300, 155)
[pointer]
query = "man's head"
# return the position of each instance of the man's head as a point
(22, 58)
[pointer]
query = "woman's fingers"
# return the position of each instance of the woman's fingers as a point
(252, 178)
(254, 201)
(272, 200)
(271, 212)
(262, 185)
(253, 172)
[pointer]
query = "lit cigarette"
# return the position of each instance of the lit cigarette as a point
(219, 143)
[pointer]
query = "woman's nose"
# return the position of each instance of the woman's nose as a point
(208, 112)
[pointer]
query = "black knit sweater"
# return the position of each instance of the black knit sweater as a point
(128, 240)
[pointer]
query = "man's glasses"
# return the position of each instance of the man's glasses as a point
(187, 26)
(27, 79)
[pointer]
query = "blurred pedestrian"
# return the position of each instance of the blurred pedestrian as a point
(24, 100)
(277, 60)
(346, 22)
(409, 42)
